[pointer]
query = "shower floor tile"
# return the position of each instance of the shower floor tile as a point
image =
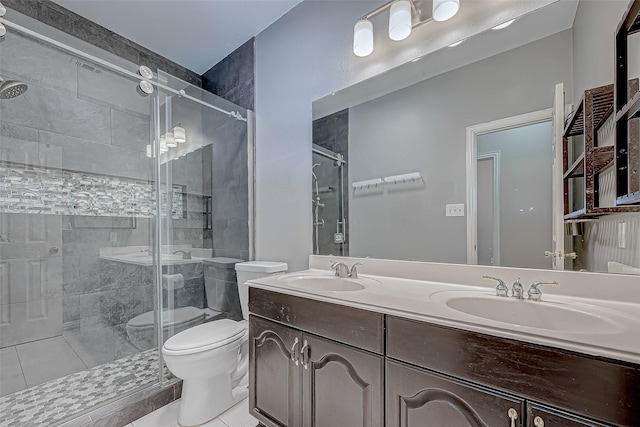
(52, 402)
(11, 377)
(48, 359)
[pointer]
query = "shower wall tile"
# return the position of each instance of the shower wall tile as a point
(233, 78)
(33, 62)
(51, 111)
(130, 131)
(18, 144)
(192, 294)
(85, 156)
(112, 90)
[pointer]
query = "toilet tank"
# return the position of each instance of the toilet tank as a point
(254, 270)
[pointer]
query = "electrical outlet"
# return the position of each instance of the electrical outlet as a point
(622, 235)
(113, 236)
(455, 210)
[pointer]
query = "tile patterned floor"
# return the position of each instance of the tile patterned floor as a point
(56, 400)
(27, 365)
(167, 416)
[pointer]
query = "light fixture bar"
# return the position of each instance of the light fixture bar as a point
(416, 13)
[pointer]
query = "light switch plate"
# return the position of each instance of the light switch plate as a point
(455, 210)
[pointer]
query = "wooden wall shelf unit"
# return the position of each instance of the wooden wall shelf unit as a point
(627, 108)
(591, 113)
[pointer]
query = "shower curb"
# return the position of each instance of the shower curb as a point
(130, 408)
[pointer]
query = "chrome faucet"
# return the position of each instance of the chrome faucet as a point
(185, 254)
(342, 269)
(501, 289)
(517, 291)
(534, 293)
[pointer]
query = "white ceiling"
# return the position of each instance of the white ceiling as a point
(196, 34)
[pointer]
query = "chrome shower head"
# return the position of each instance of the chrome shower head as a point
(12, 88)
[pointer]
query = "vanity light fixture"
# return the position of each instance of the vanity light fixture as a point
(503, 25)
(400, 20)
(163, 144)
(179, 134)
(170, 140)
(443, 10)
(404, 16)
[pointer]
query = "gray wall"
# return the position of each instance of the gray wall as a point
(525, 193)
(422, 129)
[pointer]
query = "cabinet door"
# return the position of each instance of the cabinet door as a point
(540, 416)
(274, 379)
(341, 386)
(418, 398)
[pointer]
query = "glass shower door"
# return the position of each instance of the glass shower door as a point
(327, 203)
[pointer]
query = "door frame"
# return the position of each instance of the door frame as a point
(495, 157)
(473, 132)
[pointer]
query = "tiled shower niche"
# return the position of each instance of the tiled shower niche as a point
(37, 190)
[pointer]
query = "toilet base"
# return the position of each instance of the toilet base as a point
(203, 400)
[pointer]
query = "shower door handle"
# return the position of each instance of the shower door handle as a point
(54, 250)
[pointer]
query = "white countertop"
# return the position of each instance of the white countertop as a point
(412, 299)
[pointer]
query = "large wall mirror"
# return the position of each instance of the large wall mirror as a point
(457, 156)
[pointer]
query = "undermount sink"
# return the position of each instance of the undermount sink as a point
(546, 314)
(328, 283)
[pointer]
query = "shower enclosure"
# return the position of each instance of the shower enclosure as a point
(327, 203)
(115, 186)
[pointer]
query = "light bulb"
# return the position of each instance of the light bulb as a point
(400, 20)
(363, 38)
(171, 142)
(445, 9)
(163, 144)
(179, 134)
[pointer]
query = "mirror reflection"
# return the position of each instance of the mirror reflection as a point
(464, 156)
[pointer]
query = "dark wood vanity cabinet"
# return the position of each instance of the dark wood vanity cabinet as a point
(299, 379)
(417, 397)
(316, 364)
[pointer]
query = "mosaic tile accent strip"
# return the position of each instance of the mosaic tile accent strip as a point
(50, 403)
(30, 189)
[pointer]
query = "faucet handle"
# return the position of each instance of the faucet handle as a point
(353, 273)
(501, 289)
(534, 293)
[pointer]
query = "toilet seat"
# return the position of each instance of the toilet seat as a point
(181, 316)
(208, 336)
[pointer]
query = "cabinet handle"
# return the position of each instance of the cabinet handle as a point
(304, 353)
(294, 352)
(538, 422)
(513, 415)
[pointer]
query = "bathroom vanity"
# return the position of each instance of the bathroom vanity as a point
(322, 356)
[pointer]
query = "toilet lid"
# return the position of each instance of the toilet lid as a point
(210, 335)
(180, 315)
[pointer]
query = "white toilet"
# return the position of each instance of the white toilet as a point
(212, 358)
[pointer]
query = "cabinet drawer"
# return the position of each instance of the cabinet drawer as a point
(359, 328)
(603, 389)
(540, 416)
